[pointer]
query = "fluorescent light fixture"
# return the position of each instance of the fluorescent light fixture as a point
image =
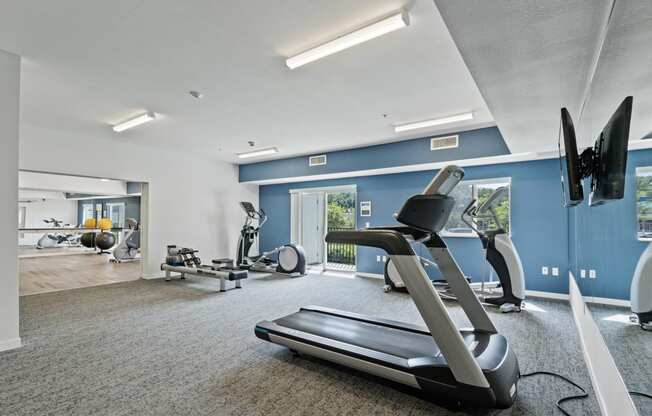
(259, 152)
(433, 122)
(374, 30)
(136, 121)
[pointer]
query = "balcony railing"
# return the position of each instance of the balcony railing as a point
(340, 253)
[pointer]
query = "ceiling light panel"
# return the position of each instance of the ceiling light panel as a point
(257, 153)
(133, 122)
(433, 122)
(374, 30)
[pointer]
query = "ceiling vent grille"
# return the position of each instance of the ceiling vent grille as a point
(440, 143)
(317, 160)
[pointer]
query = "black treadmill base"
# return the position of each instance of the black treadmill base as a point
(414, 355)
(454, 401)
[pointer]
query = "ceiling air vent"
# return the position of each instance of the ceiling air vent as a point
(448, 142)
(317, 160)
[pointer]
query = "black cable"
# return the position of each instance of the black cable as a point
(558, 403)
(638, 393)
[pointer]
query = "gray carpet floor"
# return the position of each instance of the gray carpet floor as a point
(631, 348)
(179, 348)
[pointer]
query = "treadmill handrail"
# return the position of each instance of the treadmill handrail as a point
(432, 309)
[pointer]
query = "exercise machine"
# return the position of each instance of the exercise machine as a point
(474, 367)
(290, 258)
(129, 246)
(184, 261)
(499, 252)
(641, 291)
(57, 239)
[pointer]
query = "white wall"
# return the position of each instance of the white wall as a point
(36, 212)
(9, 116)
(193, 199)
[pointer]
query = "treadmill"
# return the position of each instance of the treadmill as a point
(473, 367)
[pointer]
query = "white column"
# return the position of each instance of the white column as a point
(9, 110)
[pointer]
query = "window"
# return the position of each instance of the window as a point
(87, 212)
(116, 213)
(644, 202)
(480, 190)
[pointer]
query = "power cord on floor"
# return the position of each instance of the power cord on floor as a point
(638, 393)
(580, 396)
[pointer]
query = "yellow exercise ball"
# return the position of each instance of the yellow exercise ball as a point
(105, 224)
(90, 223)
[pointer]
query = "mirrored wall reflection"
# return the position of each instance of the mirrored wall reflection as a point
(610, 250)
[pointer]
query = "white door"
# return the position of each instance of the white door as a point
(312, 227)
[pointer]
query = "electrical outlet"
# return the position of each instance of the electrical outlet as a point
(367, 224)
(384, 259)
(544, 270)
(583, 273)
(378, 259)
(592, 274)
(555, 271)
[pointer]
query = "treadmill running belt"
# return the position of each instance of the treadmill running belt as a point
(404, 344)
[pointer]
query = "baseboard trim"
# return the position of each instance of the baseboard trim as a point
(153, 276)
(10, 344)
(539, 294)
(546, 295)
(608, 301)
(370, 275)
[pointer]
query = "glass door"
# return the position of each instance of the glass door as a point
(340, 216)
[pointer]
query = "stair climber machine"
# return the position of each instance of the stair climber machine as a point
(290, 258)
(500, 253)
(470, 367)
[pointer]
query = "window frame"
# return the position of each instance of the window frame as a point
(122, 205)
(84, 206)
(474, 194)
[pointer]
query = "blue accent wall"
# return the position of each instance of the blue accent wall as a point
(539, 222)
(472, 144)
(545, 234)
(604, 238)
(132, 206)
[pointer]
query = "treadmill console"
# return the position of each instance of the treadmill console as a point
(427, 213)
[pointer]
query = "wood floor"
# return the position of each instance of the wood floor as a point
(49, 274)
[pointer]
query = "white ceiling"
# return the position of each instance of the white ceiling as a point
(91, 64)
(624, 68)
(535, 57)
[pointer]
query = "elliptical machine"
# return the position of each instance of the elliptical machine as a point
(641, 291)
(499, 252)
(291, 257)
(129, 246)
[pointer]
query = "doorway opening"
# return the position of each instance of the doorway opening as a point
(314, 213)
(79, 231)
(340, 216)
